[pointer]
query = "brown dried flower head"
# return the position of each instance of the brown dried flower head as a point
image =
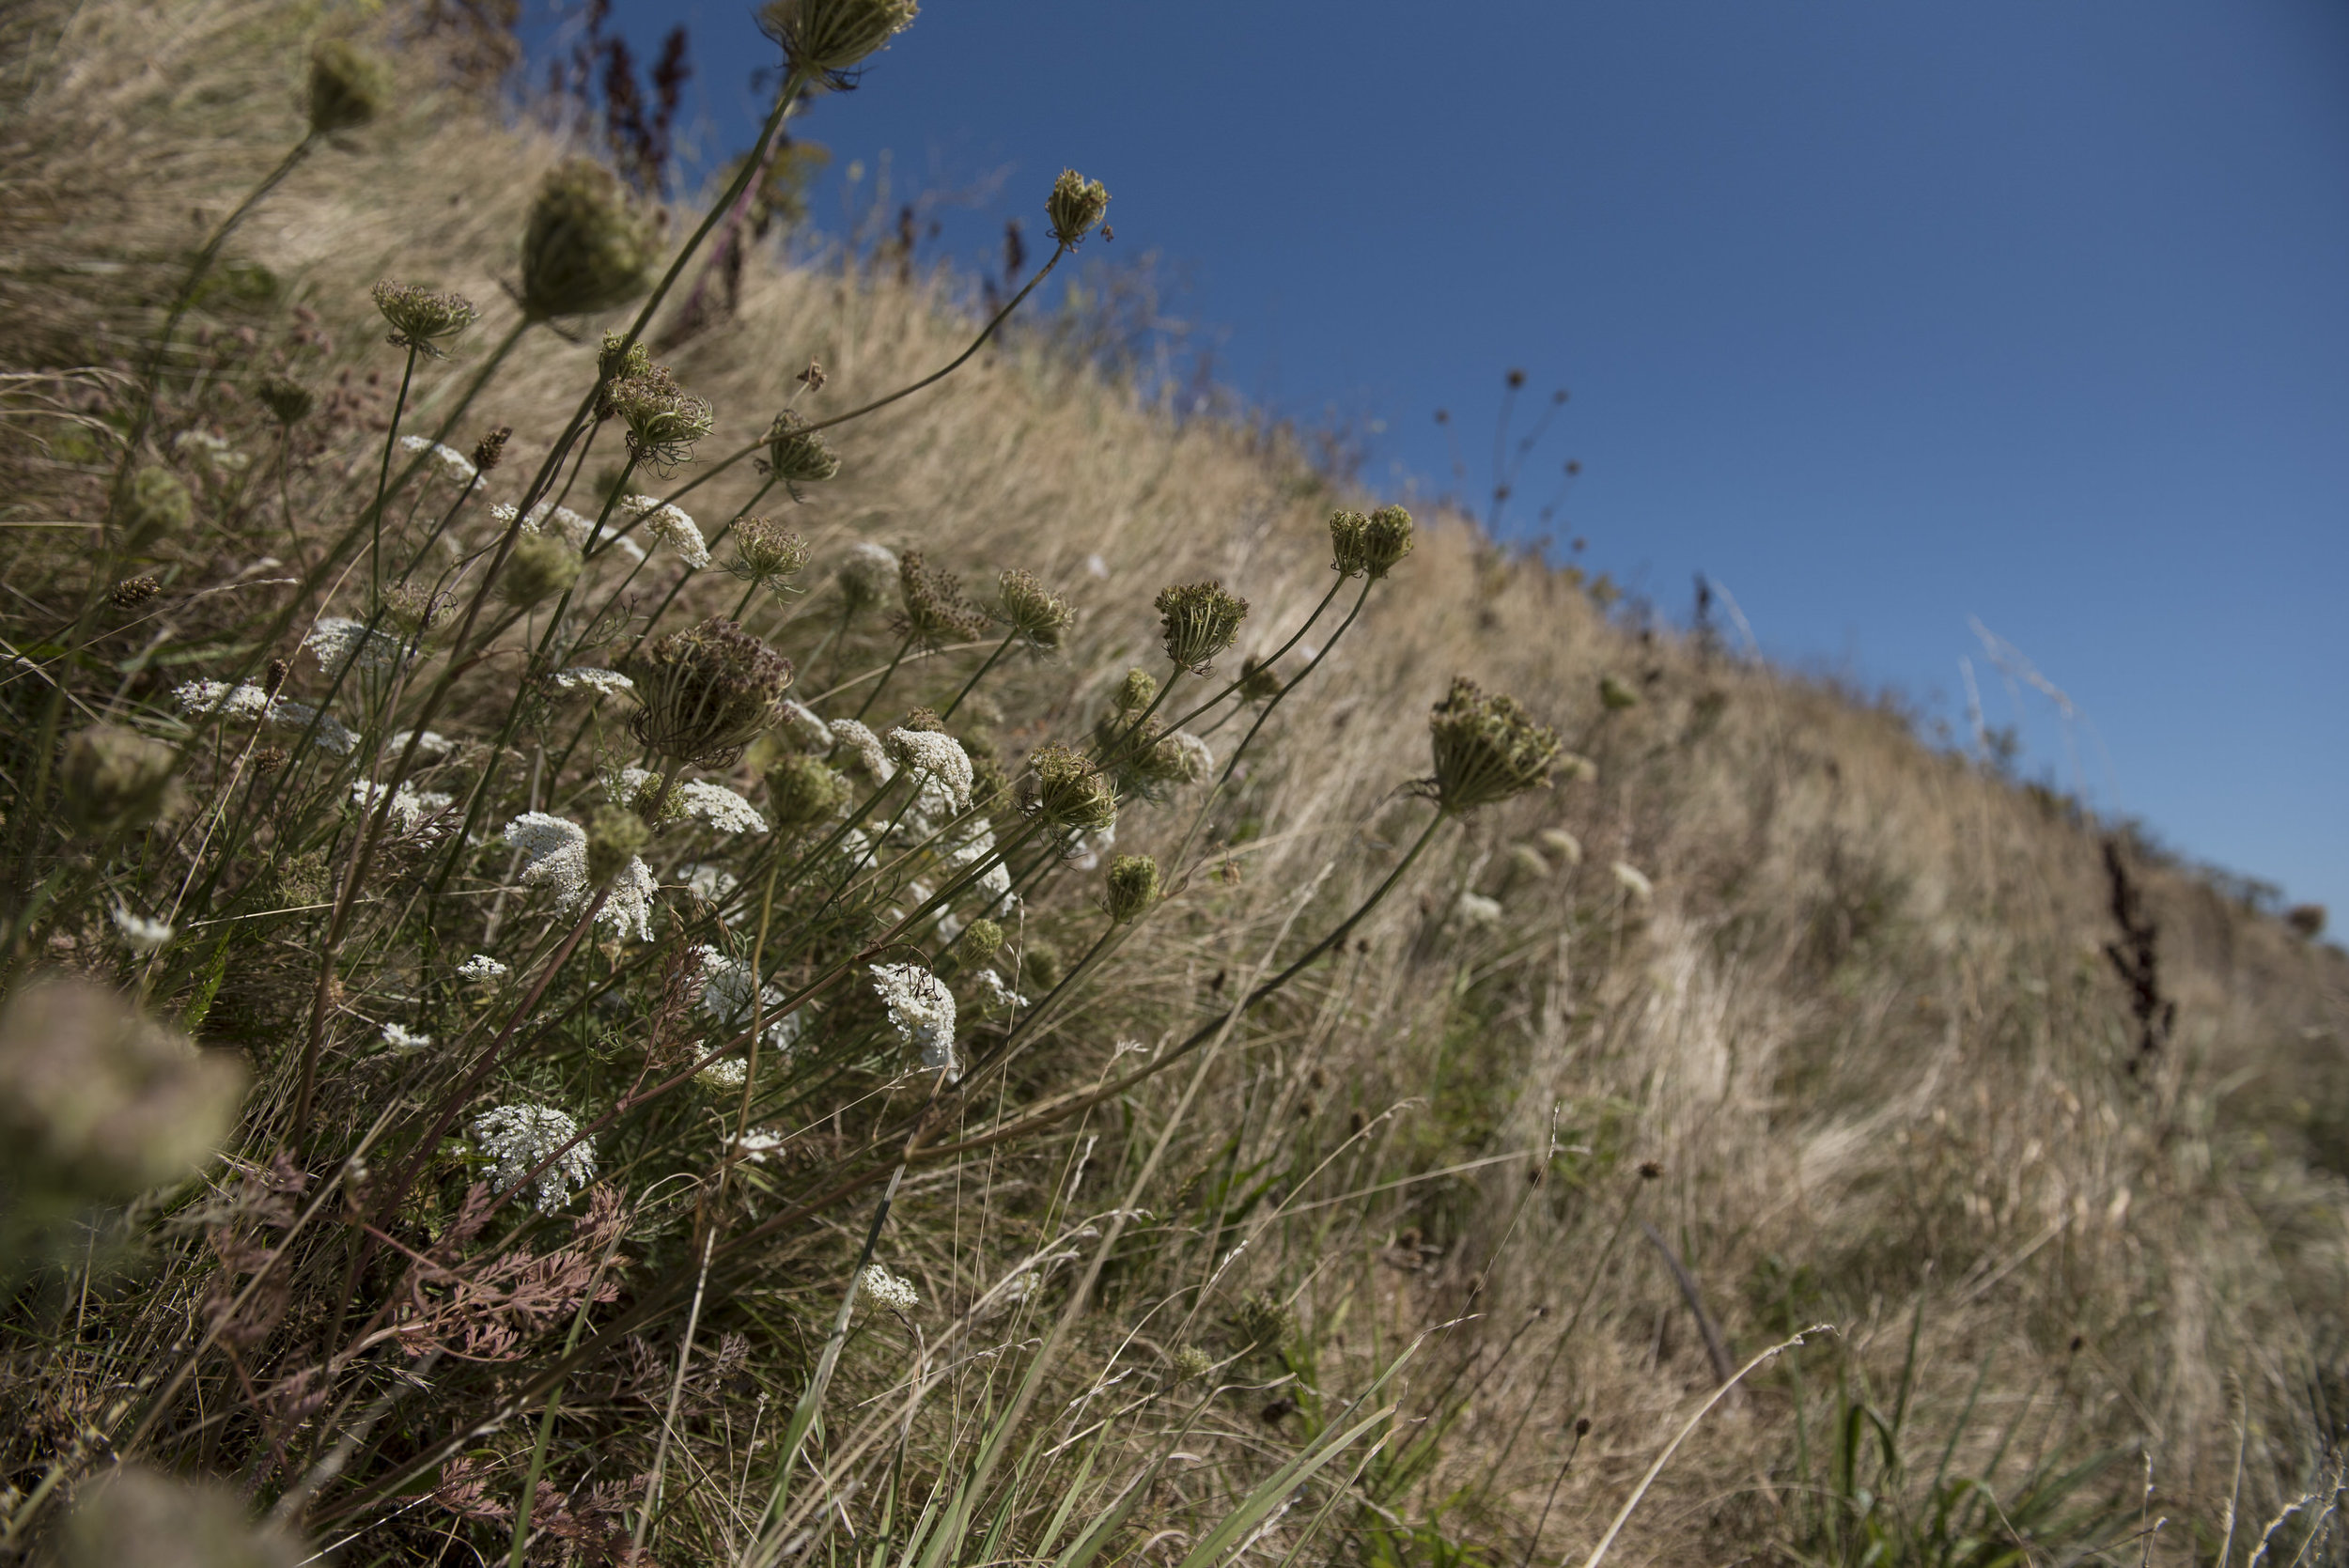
(706, 691)
(1201, 620)
(586, 246)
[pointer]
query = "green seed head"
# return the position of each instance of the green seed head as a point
(619, 359)
(1349, 555)
(349, 86)
(1034, 612)
(801, 790)
(587, 247)
(1487, 749)
(1191, 1363)
(287, 400)
(824, 40)
(1201, 620)
(616, 835)
(116, 778)
(797, 455)
(539, 566)
(706, 691)
(1132, 888)
(422, 319)
(1137, 691)
(1063, 791)
(1076, 206)
(663, 421)
(1615, 696)
(1386, 540)
(981, 940)
(766, 552)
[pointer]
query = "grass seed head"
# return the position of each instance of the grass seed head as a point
(1201, 620)
(116, 778)
(585, 247)
(1615, 696)
(132, 592)
(489, 450)
(1487, 749)
(706, 691)
(349, 86)
(422, 319)
(1076, 206)
(797, 455)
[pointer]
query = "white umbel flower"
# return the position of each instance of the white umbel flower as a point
(628, 910)
(999, 994)
(217, 697)
(672, 527)
(727, 1072)
(481, 967)
(337, 640)
(603, 683)
(519, 1137)
(803, 728)
(727, 996)
(757, 1143)
(921, 1010)
(142, 935)
(719, 806)
(403, 1040)
(454, 465)
(554, 853)
(865, 744)
(945, 767)
(886, 1290)
(411, 808)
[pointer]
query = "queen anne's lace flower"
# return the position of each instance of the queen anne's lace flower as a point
(672, 527)
(554, 853)
(727, 1072)
(886, 1290)
(481, 966)
(921, 1010)
(727, 996)
(803, 728)
(712, 882)
(629, 906)
(519, 1137)
(337, 640)
(757, 1143)
(867, 745)
(997, 993)
(412, 808)
(144, 935)
(719, 806)
(248, 701)
(454, 465)
(945, 770)
(603, 683)
(430, 743)
(211, 453)
(404, 1042)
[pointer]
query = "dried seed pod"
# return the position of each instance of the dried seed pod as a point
(1033, 612)
(706, 691)
(797, 455)
(1063, 791)
(825, 40)
(287, 400)
(1201, 619)
(1386, 540)
(1487, 749)
(1132, 888)
(537, 568)
(132, 592)
(766, 552)
(801, 790)
(586, 246)
(1349, 555)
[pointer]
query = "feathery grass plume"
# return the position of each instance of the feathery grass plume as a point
(116, 778)
(1033, 612)
(99, 1101)
(868, 574)
(349, 86)
(1527, 861)
(826, 40)
(1487, 749)
(537, 568)
(422, 319)
(135, 1517)
(664, 420)
(797, 455)
(1201, 620)
(1138, 690)
(801, 790)
(1614, 695)
(765, 551)
(1561, 844)
(980, 941)
(935, 611)
(1130, 888)
(287, 400)
(140, 934)
(585, 247)
(156, 506)
(1386, 540)
(132, 592)
(1632, 880)
(922, 1011)
(1076, 206)
(1350, 554)
(706, 691)
(1063, 791)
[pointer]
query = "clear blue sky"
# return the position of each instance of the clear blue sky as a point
(1882, 316)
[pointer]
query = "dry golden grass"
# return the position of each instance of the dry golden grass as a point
(1863, 1026)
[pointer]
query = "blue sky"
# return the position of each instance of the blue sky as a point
(1884, 316)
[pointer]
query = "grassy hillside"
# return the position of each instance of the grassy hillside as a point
(1759, 1015)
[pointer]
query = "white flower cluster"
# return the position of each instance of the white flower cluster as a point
(454, 465)
(554, 853)
(712, 882)
(576, 530)
(727, 996)
(628, 909)
(337, 640)
(719, 806)
(144, 935)
(430, 743)
(210, 453)
(403, 1040)
(1198, 756)
(412, 808)
(921, 1010)
(1084, 851)
(886, 1290)
(250, 701)
(727, 1072)
(481, 967)
(672, 527)
(603, 683)
(521, 1136)
(757, 1143)
(945, 767)
(997, 993)
(867, 745)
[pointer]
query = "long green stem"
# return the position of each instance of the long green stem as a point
(873, 695)
(1001, 649)
(383, 477)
